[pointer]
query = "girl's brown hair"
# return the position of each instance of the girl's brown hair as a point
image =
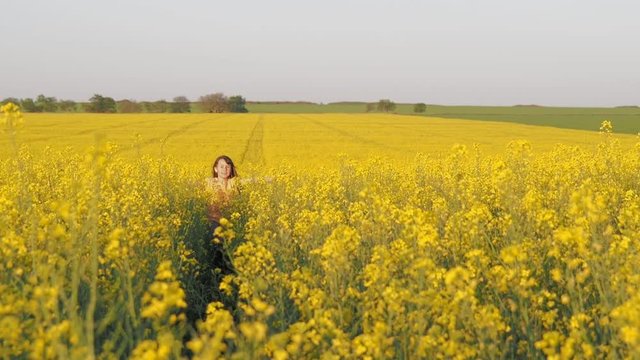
(229, 161)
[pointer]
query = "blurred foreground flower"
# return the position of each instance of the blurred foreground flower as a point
(11, 117)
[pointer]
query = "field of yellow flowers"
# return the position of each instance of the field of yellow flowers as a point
(258, 140)
(459, 253)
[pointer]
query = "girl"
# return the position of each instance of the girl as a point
(221, 188)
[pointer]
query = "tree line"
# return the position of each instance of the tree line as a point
(386, 105)
(214, 103)
(43, 104)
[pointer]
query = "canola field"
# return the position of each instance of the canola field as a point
(309, 140)
(354, 237)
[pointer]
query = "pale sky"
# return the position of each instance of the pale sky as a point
(490, 52)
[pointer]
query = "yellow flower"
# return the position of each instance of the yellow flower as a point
(12, 117)
(606, 127)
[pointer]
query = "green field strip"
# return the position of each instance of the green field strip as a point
(487, 128)
(626, 124)
(625, 120)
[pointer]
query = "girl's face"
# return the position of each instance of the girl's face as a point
(223, 169)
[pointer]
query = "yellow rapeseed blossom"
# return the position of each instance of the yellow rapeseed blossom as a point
(606, 126)
(163, 296)
(514, 253)
(12, 118)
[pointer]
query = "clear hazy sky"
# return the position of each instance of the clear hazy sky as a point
(490, 52)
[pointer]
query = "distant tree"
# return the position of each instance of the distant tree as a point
(128, 106)
(419, 108)
(101, 104)
(214, 103)
(10, 100)
(67, 105)
(47, 103)
(147, 106)
(160, 106)
(386, 105)
(371, 107)
(28, 105)
(180, 104)
(237, 104)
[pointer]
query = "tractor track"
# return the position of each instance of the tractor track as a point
(162, 140)
(89, 131)
(352, 136)
(254, 149)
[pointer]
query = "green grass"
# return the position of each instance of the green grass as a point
(625, 120)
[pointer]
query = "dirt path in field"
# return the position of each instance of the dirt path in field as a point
(254, 150)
